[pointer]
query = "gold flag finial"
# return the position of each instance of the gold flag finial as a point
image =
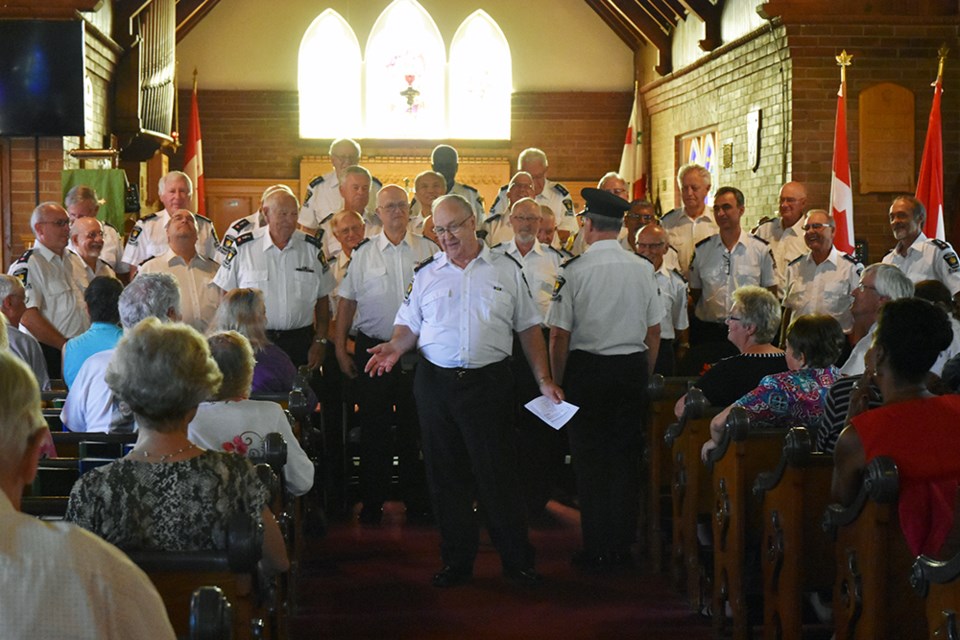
(844, 60)
(942, 53)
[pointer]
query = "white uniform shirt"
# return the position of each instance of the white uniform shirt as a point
(554, 195)
(199, 296)
(79, 587)
(823, 288)
(498, 229)
(292, 279)
(378, 277)
(339, 268)
(54, 285)
(786, 244)
(465, 318)
(470, 194)
(606, 298)
(855, 365)
(673, 295)
(685, 232)
(112, 252)
(928, 259)
(148, 238)
(718, 272)
(89, 404)
(540, 267)
(246, 224)
(103, 267)
(250, 421)
(323, 200)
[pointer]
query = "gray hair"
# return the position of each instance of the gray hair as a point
(81, 193)
(37, 213)
(162, 371)
(356, 169)
(175, 174)
(150, 295)
(243, 311)
(20, 415)
(823, 212)
(607, 176)
(917, 209)
(526, 202)
(890, 282)
(532, 153)
(339, 141)
(513, 178)
(758, 309)
(8, 285)
(269, 191)
(701, 171)
(234, 356)
(456, 200)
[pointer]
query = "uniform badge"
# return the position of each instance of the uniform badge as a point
(21, 275)
(953, 264)
(323, 261)
(227, 245)
(231, 254)
(568, 205)
(556, 288)
(406, 294)
(134, 234)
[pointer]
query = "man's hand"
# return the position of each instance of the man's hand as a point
(550, 389)
(708, 446)
(384, 357)
(347, 365)
(316, 354)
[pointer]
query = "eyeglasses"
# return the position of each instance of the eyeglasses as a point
(59, 223)
(451, 228)
(864, 287)
(524, 218)
(815, 226)
(651, 245)
(395, 206)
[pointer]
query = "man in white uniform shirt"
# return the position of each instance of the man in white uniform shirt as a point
(652, 244)
(247, 224)
(691, 223)
(82, 202)
(823, 280)
(784, 234)
(54, 279)
(461, 312)
(323, 197)
(427, 187)
(199, 296)
(723, 263)
(496, 226)
(86, 240)
(370, 296)
(148, 237)
(918, 256)
(291, 270)
(445, 161)
(553, 194)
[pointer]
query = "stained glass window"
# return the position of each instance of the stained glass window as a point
(329, 37)
(481, 80)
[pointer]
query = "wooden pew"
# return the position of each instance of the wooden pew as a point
(938, 583)
(689, 489)
(663, 394)
(68, 442)
(872, 598)
(796, 556)
(734, 465)
(211, 615)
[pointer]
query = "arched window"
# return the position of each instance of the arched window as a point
(405, 65)
(329, 57)
(481, 80)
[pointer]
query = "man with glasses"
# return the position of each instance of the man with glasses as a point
(370, 296)
(918, 256)
(651, 243)
(692, 222)
(87, 241)
(784, 234)
(460, 313)
(496, 226)
(323, 197)
(54, 279)
(533, 161)
(82, 202)
(723, 263)
(246, 224)
(823, 280)
(879, 283)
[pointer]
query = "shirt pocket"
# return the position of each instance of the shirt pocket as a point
(253, 279)
(496, 304)
(375, 281)
(305, 284)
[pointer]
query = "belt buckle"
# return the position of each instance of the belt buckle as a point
(461, 373)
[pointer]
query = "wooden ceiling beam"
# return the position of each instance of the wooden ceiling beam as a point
(862, 11)
(655, 33)
(190, 13)
(710, 14)
(47, 9)
(627, 32)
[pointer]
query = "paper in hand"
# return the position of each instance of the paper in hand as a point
(555, 415)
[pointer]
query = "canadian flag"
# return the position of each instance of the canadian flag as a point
(193, 155)
(841, 193)
(930, 182)
(631, 162)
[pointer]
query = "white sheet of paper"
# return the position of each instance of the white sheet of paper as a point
(555, 415)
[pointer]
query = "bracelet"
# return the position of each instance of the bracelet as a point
(320, 341)
(541, 379)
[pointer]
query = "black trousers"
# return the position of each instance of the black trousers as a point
(54, 360)
(388, 422)
(606, 437)
(666, 364)
(469, 446)
(295, 342)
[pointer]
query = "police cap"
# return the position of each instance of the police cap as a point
(604, 203)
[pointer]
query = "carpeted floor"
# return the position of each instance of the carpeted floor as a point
(374, 582)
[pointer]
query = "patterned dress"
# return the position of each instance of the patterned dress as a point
(175, 506)
(790, 398)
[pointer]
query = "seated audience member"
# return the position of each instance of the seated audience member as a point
(795, 397)
(90, 406)
(79, 586)
(231, 421)
(936, 292)
(102, 298)
(913, 427)
(23, 345)
(168, 493)
(879, 284)
(751, 327)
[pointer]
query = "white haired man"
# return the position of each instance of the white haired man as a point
(324, 197)
(692, 222)
(552, 194)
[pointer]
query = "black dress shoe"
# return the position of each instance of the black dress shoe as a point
(451, 577)
(527, 577)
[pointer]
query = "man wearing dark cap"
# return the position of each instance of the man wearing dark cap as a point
(603, 347)
(460, 313)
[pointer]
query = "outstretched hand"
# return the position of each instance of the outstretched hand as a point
(384, 357)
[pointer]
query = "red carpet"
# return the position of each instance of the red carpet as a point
(374, 582)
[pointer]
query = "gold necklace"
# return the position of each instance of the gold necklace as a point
(167, 456)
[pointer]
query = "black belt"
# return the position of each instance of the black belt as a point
(463, 374)
(274, 334)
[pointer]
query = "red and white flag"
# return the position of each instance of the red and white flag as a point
(631, 162)
(841, 193)
(193, 155)
(930, 182)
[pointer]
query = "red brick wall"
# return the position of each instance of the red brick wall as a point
(254, 134)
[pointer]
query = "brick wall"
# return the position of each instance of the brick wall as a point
(254, 134)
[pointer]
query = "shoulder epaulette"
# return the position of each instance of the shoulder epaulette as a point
(491, 217)
(468, 187)
(799, 258)
(316, 181)
(362, 242)
(424, 263)
(496, 246)
(25, 256)
(315, 240)
(570, 261)
(240, 225)
(512, 259)
(481, 234)
(149, 216)
(707, 239)
(374, 180)
(148, 260)
(203, 217)
(104, 262)
(677, 273)
(244, 238)
(562, 190)
(766, 242)
(848, 257)
(559, 252)
(643, 257)
(328, 216)
(940, 244)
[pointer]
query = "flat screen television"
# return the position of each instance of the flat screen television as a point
(41, 78)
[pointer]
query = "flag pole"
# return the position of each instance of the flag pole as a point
(841, 184)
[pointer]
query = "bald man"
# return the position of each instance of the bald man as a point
(785, 234)
(653, 244)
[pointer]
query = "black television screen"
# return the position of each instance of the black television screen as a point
(41, 78)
